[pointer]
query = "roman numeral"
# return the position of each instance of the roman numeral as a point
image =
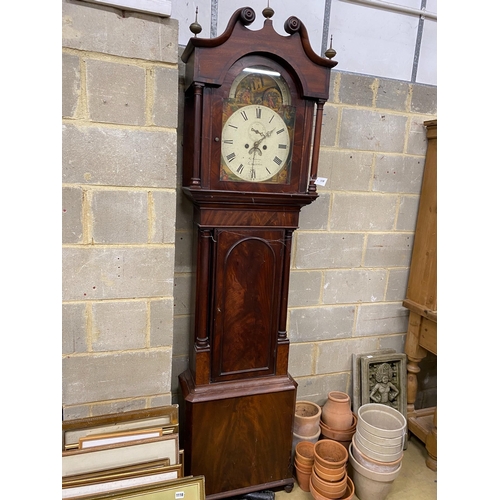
(240, 169)
(258, 112)
(228, 141)
(268, 171)
(233, 126)
(272, 118)
(277, 160)
(231, 157)
(282, 146)
(244, 115)
(280, 130)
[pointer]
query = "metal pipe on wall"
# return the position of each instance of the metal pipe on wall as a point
(395, 8)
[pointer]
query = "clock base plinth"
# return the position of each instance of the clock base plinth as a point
(239, 434)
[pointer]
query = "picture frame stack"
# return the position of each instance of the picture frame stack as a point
(123, 455)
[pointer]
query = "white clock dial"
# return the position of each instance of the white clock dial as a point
(255, 143)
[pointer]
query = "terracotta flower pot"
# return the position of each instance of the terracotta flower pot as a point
(336, 412)
(303, 478)
(304, 453)
(307, 417)
(337, 435)
(329, 489)
(369, 484)
(329, 474)
(348, 495)
(329, 453)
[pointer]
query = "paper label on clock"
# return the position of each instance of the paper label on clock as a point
(320, 181)
(179, 494)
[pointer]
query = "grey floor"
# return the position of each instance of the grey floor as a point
(415, 481)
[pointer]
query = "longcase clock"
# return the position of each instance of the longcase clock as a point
(252, 124)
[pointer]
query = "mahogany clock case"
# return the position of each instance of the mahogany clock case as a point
(237, 398)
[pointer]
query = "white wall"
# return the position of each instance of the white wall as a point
(368, 40)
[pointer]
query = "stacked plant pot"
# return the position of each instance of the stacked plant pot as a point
(329, 479)
(376, 450)
(303, 462)
(306, 422)
(338, 422)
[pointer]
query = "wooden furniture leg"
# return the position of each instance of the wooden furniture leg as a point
(431, 445)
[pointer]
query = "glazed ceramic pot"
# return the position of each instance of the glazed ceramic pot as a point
(336, 412)
(307, 417)
(330, 454)
(304, 453)
(378, 451)
(369, 484)
(371, 464)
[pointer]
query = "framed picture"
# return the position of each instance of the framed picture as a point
(166, 417)
(189, 488)
(101, 483)
(117, 437)
(112, 456)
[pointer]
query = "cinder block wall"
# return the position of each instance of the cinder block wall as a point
(352, 252)
(119, 102)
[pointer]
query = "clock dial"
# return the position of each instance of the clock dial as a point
(255, 143)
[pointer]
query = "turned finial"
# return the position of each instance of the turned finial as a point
(268, 12)
(195, 28)
(330, 52)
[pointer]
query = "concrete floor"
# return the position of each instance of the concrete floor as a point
(415, 481)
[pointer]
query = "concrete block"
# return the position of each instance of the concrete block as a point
(398, 174)
(182, 335)
(363, 212)
(179, 365)
(397, 284)
(357, 90)
(396, 342)
(354, 285)
(320, 323)
(329, 125)
(392, 94)
(424, 99)
(183, 294)
(183, 212)
(381, 319)
(104, 377)
(118, 406)
(317, 250)
(163, 223)
(366, 130)
(351, 171)
(72, 215)
(161, 327)
(74, 412)
(184, 251)
(316, 388)
(336, 356)
(304, 288)
(315, 215)
(118, 157)
(120, 216)
(71, 82)
(301, 359)
(74, 328)
(116, 93)
(165, 107)
(388, 250)
(119, 326)
(407, 213)
(163, 400)
(92, 273)
(107, 30)
(417, 136)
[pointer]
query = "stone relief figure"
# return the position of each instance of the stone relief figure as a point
(384, 391)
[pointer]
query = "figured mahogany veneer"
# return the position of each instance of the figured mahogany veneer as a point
(238, 400)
